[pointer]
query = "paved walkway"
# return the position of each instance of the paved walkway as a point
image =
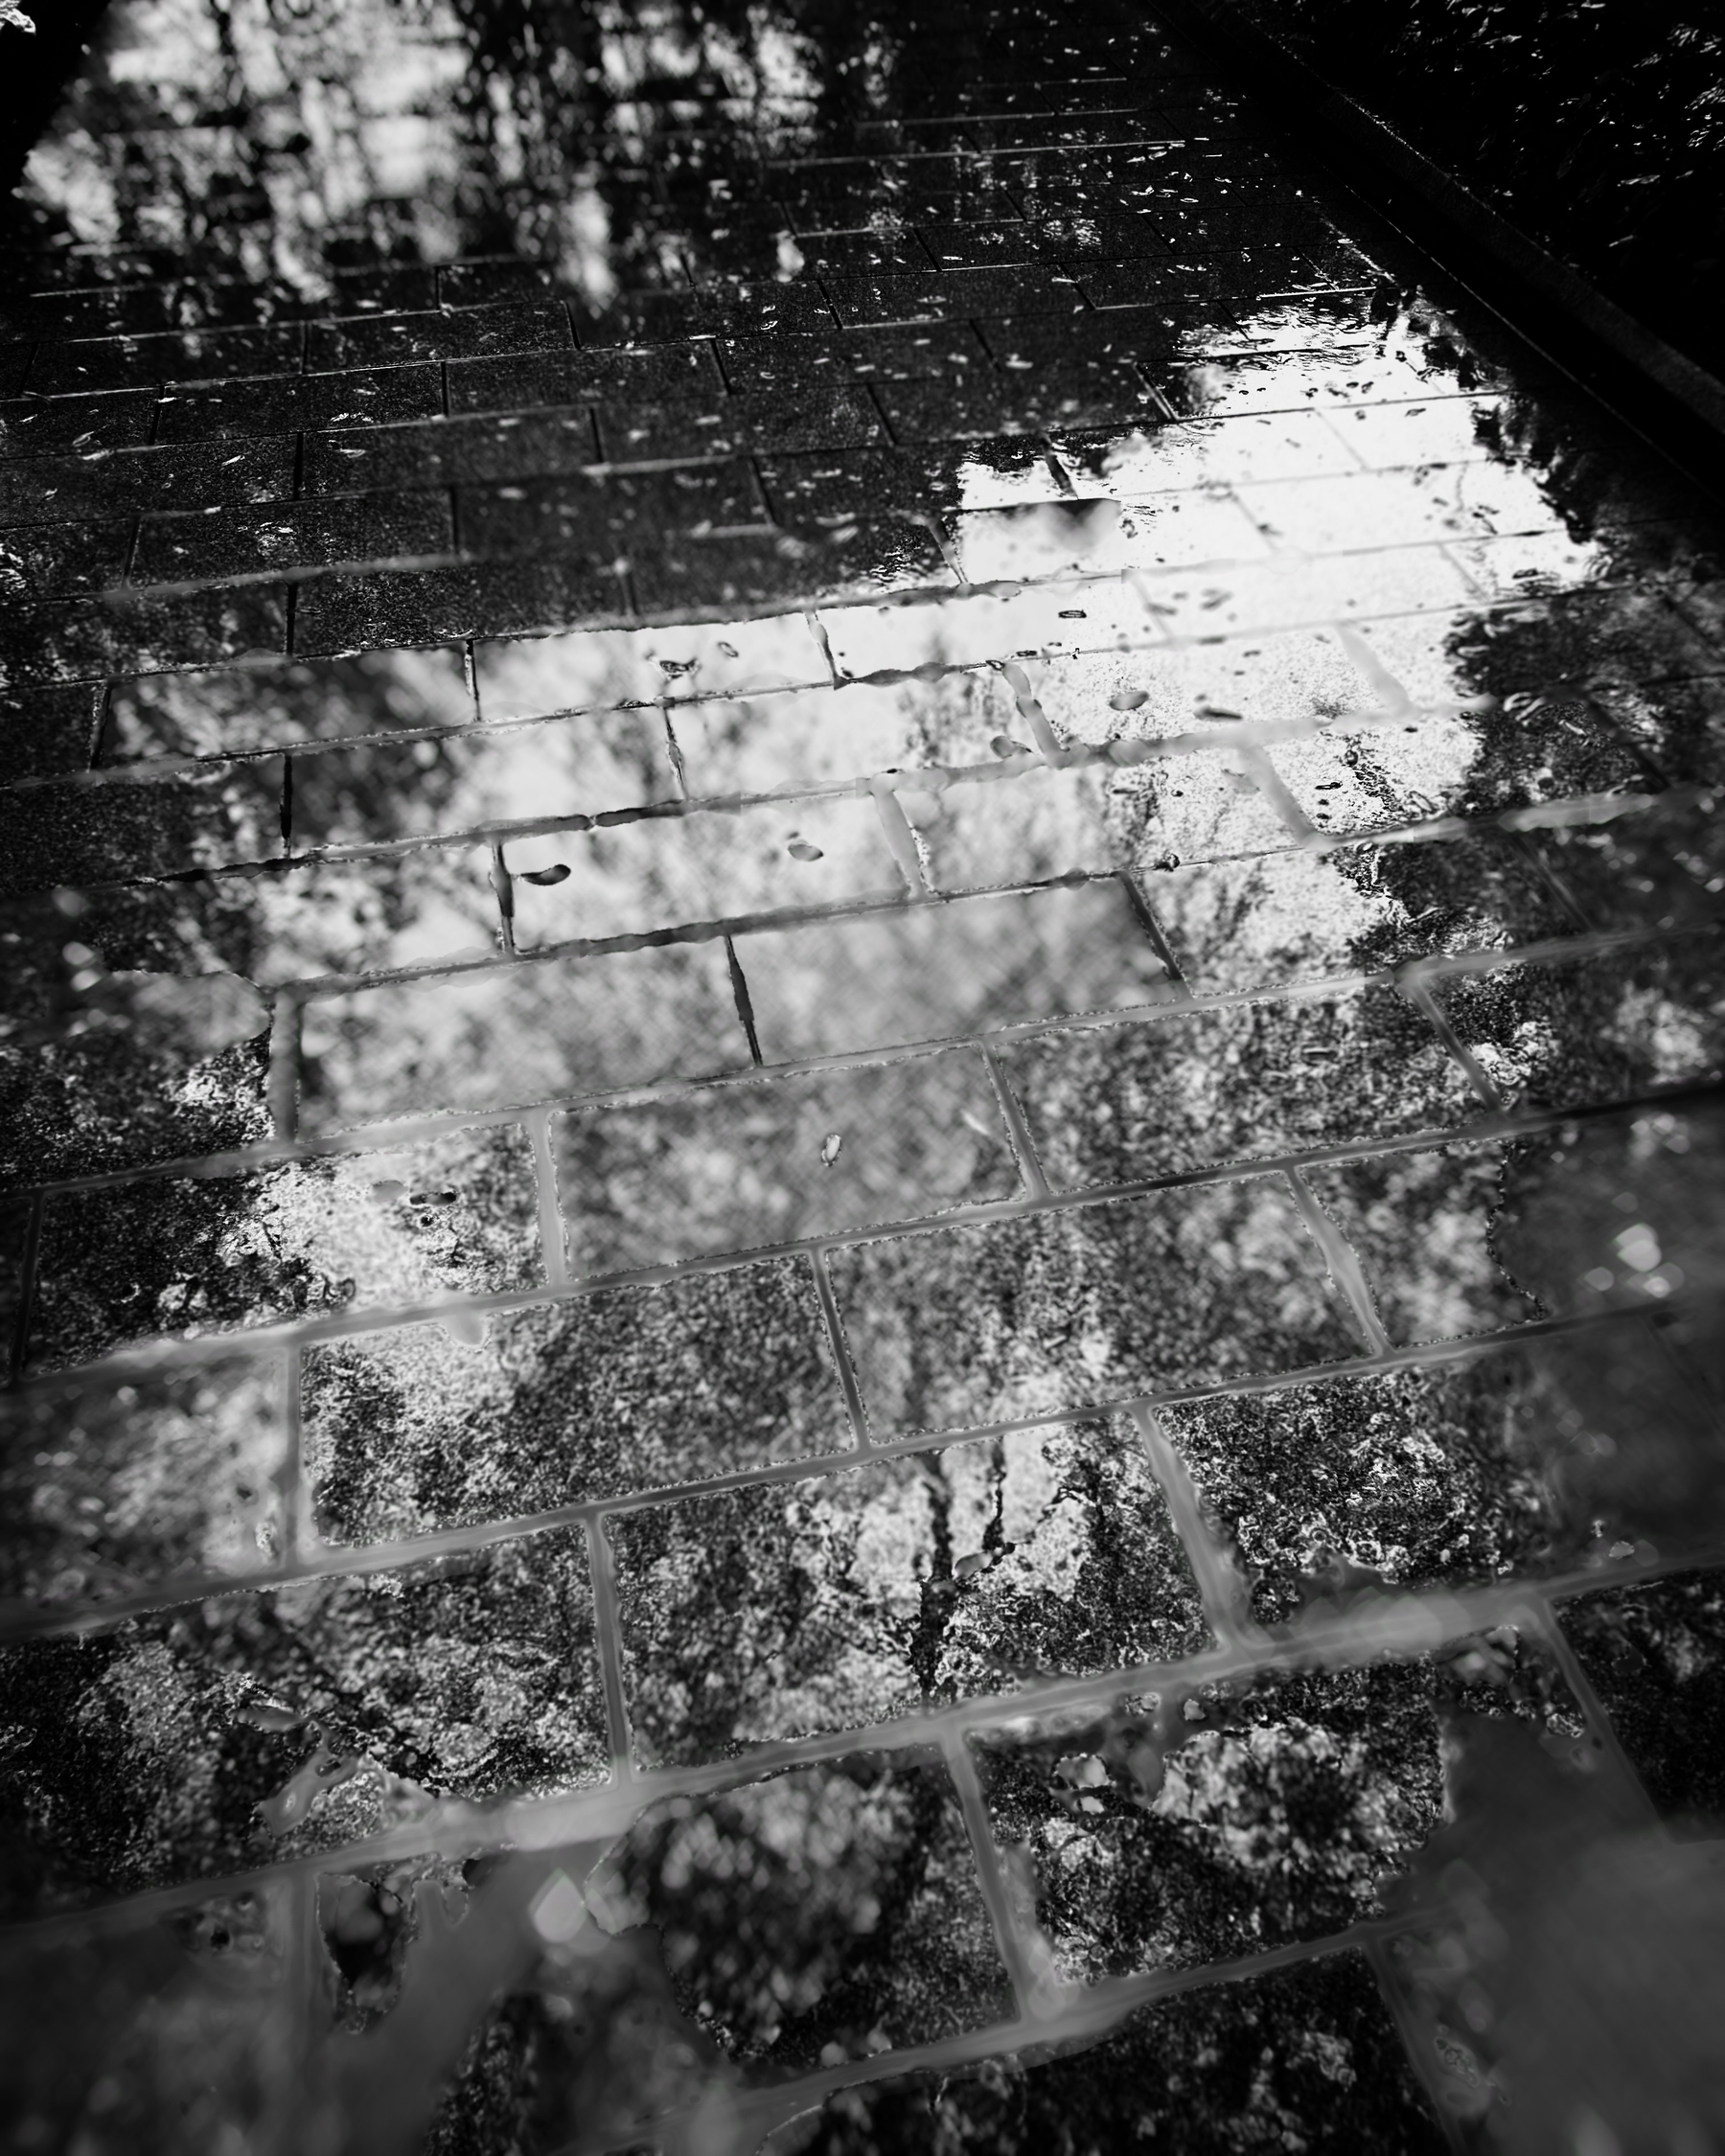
(863, 935)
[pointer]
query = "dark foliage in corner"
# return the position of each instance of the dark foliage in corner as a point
(1599, 129)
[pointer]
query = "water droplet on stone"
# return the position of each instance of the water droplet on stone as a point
(1128, 700)
(799, 849)
(830, 1146)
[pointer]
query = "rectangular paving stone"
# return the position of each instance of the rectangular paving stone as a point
(478, 281)
(806, 1607)
(110, 1489)
(1639, 1647)
(448, 452)
(1196, 453)
(973, 628)
(182, 475)
(822, 489)
(1183, 1288)
(1296, 591)
(1153, 1875)
(1282, 917)
(433, 905)
(1595, 1028)
(929, 352)
(45, 732)
(285, 404)
(449, 1215)
(929, 972)
(1412, 1479)
(502, 1035)
(679, 374)
(338, 615)
(595, 669)
(218, 711)
(73, 834)
(60, 560)
(1398, 1211)
(670, 871)
(593, 766)
(65, 369)
(1114, 1103)
(1035, 823)
(292, 535)
(475, 1674)
(624, 508)
(1649, 869)
(73, 640)
(1573, 1222)
(416, 1430)
(742, 1165)
(795, 740)
(469, 333)
(713, 571)
(34, 426)
(1271, 2040)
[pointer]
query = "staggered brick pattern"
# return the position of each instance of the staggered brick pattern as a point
(865, 938)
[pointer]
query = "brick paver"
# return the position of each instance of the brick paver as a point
(865, 944)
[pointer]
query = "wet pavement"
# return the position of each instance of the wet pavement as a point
(863, 928)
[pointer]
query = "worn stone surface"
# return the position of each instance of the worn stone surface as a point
(220, 1736)
(803, 1607)
(1212, 1824)
(426, 1426)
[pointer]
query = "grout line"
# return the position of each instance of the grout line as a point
(608, 1635)
(1416, 992)
(101, 716)
(680, 769)
(1257, 765)
(300, 1539)
(286, 1021)
(1344, 1262)
(848, 1383)
(740, 995)
(1221, 1588)
(1017, 1130)
(553, 1243)
(1423, 2060)
(18, 1346)
(503, 886)
(1146, 916)
(1030, 1989)
(1029, 709)
(1541, 868)
(1552, 1638)
(901, 840)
